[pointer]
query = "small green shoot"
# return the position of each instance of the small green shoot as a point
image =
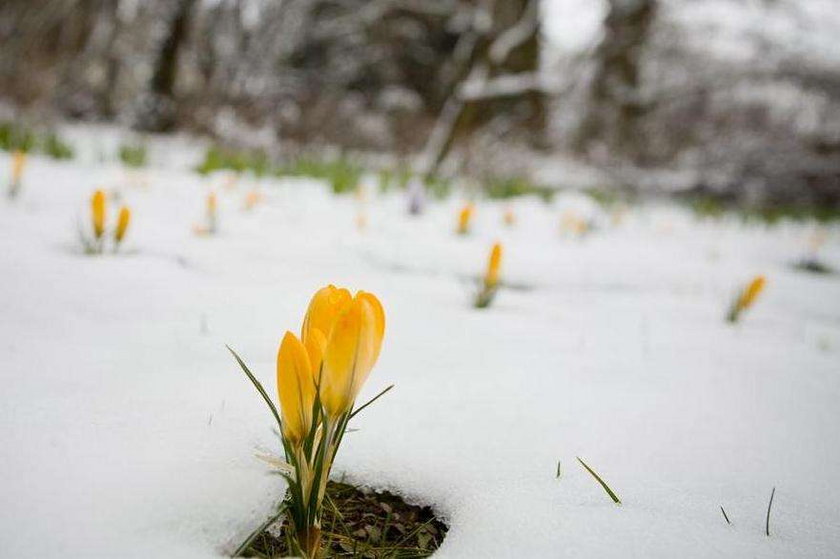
(369, 402)
(769, 506)
(260, 529)
(559, 471)
(606, 487)
(134, 155)
(724, 515)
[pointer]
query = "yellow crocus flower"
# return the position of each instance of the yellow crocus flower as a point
(211, 204)
(323, 311)
(352, 350)
(98, 213)
(509, 217)
(464, 218)
(18, 163)
(751, 293)
(494, 265)
(122, 223)
(295, 388)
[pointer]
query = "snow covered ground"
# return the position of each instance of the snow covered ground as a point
(128, 430)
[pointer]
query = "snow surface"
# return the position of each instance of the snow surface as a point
(127, 429)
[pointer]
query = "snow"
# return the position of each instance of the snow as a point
(128, 430)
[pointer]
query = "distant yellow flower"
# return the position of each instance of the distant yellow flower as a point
(464, 218)
(122, 223)
(359, 193)
(509, 217)
(573, 223)
(18, 163)
(211, 204)
(98, 213)
(295, 388)
(751, 293)
(491, 278)
(352, 349)
(252, 198)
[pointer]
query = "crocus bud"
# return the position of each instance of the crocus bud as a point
(491, 278)
(464, 218)
(122, 224)
(18, 163)
(751, 293)
(295, 388)
(509, 217)
(98, 213)
(351, 352)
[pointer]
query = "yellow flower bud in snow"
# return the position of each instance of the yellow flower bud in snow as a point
(122, 223)
(464, 218)
(18, 163)
(751, 293)
(352, 350)
(295, 388)
(211, 204)
(323, 311)
(494, 265)
(509, 217)
(98, 213)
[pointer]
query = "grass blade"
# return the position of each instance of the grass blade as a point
(769, 506)
(260, 529)
(724, 515)
(372, 400)
(606, 487)
(258, 386)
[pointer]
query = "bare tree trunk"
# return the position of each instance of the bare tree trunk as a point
(509, 45)
(159, 114)
(614, 106)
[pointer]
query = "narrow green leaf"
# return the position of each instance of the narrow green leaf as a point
(258, 386)
(769, 506)
(243, 547)
(606, 487)
(369, 402)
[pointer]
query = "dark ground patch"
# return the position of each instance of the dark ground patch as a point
(362, 523)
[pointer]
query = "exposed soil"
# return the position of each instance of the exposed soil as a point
(359, 522)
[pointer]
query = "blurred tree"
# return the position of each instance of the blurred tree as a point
(159, 111)
(615, 105)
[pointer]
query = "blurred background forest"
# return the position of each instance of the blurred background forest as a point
(735, 101)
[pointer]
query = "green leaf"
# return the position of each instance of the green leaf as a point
(243, 547)
(606, 487)
(769, 506)
(258, 386)
(369, 402)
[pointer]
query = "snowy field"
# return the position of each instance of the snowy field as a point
(127, 429)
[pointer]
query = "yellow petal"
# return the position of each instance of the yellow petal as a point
(295, 388)
(352, 350)
(315, 344)
(122, 223)
(370, 339)
(494, 265)
(18, 163)
(98, 213)
(340, 361)
(324, 308)
(752, 292)
(464, 217)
